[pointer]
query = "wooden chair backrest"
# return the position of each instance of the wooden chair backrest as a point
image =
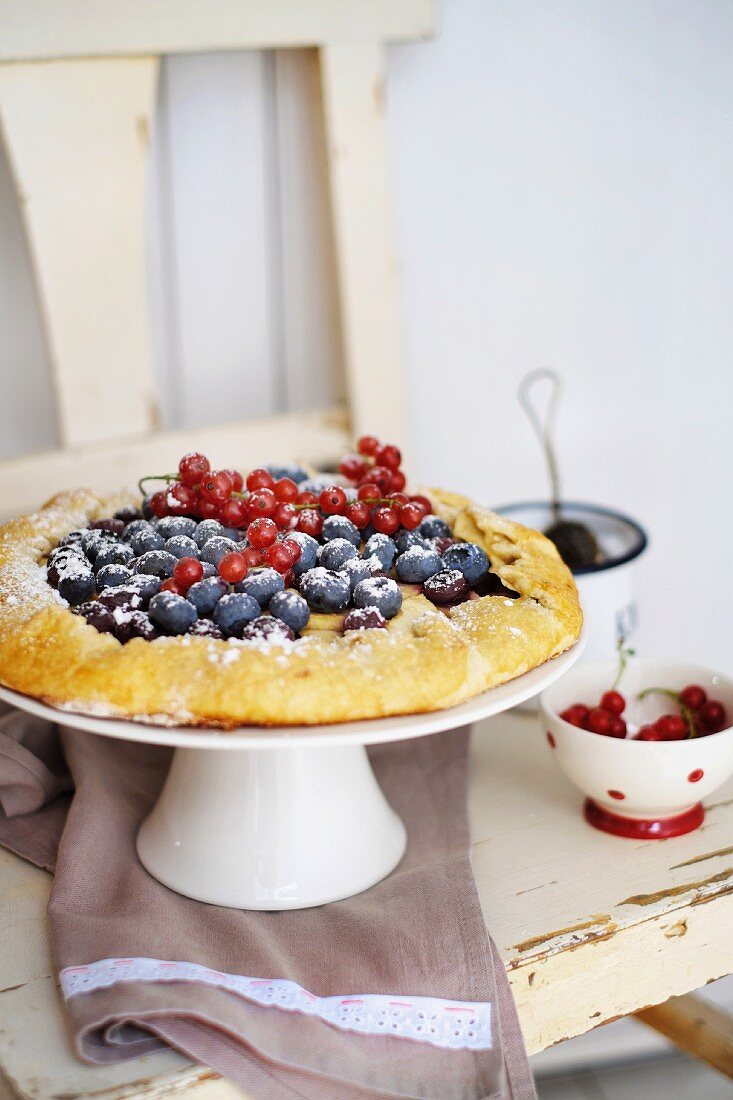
(77, 86)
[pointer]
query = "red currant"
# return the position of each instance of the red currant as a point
(253, 557)
(207, 509)
(278, 557)
(234, 512)
(382, 477)
(650, 733)
(259, 479)
(192, 468)
(613, 701)
(353, 467)
(618, 727)
(262, 502)
(367, 445)
(310, 522)
(285, 516)
(307, 497)
(426, 505)
(712, 714)
(389, 456)
(411, 516)
(333, 500)
(187, 571)
(293, 548)
(600, 721)
(397, 481)
(237, 480)
(399, 500)
(368, 491)
(169, 585)
(181, 499)
(385, 520)
(233, 567)
(693, 696)
(286, 491)
(159, 503)
(576, 715)
(216, 486)
(359, 513)
(672, 727)
(261, 533)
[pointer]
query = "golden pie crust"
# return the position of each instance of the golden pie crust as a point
(426, 659)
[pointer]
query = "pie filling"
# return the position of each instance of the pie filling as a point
(213, 556)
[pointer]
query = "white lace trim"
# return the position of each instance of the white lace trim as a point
(452, 1025)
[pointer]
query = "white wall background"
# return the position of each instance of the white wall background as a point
(563, 176)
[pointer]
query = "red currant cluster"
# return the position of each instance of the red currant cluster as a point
(376, 472)
(267, 508)
(698, 716)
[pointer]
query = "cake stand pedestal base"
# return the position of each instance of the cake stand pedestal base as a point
(271, 828)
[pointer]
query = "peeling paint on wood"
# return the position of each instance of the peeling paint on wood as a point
(676, 930)
(703, 886)
(552, 938)
(701, 859)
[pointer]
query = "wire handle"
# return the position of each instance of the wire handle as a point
(544, 431)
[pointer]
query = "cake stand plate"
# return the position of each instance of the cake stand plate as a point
(287, 817)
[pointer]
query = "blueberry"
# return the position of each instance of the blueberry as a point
(205, 628)
(157, 562)
(382, 548)
(380, 592)
(125, 596)
(94, 541)
(135, 526)
(265, 628)
(133, 624)
(417, 564)
(62, 560)
(146, 508)
(355, 570)
(432, 527)
(364, 618)
(205, 594)
(112, 526)
(261, 585)
(181, 546)
(214, 549)
(339, 527)
(146, 584)
(295, 473)
(334, 553)
(325, 591)
(291, 609)
(234, 611)
(308, 552)
(97, 615)
(76, 585)
(407, 539)
(172, 613)
(72, 539)
(468, 558)
(145, 540)
(207, 529)
(209, 569)
(128, 515)
(233, 533)
(446, 586)
(169, 526)
(117, 553)
(316, 484)
(110, 576)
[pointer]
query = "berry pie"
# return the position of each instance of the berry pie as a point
(283, 597)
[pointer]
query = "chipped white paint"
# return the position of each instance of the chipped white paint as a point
(654, 911)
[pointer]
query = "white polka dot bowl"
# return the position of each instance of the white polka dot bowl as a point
(639, 789)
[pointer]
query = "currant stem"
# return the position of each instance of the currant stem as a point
(685, 711)
(155, 477)
(624, 652)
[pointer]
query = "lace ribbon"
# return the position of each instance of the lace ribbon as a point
(451, 1025)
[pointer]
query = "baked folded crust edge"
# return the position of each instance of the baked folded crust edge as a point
(425, 660)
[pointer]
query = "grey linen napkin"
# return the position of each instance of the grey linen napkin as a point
(418, 933)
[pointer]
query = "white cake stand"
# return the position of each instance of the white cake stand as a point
(282, 818)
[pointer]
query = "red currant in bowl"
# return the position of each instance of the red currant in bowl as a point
(643, 756)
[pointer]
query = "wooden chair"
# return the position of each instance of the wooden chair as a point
(77, 85)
